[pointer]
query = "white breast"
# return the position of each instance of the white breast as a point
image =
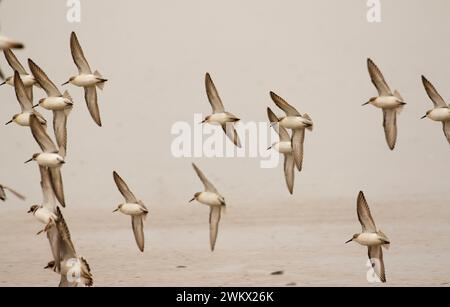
(23, 119)
(44, 216)
(85, 80)
(209, 198)
(386, 102)
(368, 239)
(49, 159)
(131, 209)
(283, 147)
(54, 103)
(292, 122)
(440, 114)
(219, 118)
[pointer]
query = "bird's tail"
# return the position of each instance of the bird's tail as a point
(306, 116)
(387, 243)
(102, 80)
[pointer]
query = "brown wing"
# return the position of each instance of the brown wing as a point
(364, 215)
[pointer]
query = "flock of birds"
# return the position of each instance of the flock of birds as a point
(51, 159)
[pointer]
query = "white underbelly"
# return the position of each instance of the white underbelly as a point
(293, 122)
(210, 199)
(386, 102)
(23, 119)
(54, 103)
(85, 80)
(284, 147)
(44, 216)
(49, 159)
(131, 209)
(369, 239)
(219, 118)
(440, 114)
(27, 80)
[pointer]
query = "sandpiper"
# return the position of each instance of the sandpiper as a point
(23, 118)
(133, 207)
(3, 190)
(390, 102)
(284, 146)
(86, 79)
(295, 121)
(27, 79)
(75, 269)
(216, 202)
(8, 43)
(441, 111)
(50, 157)
(220, 116)
(60, 104)
(371, 237)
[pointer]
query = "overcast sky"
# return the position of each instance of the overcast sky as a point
(313, 53)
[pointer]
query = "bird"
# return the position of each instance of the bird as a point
(86, 79)
(26, 105)
(295, 121)
(390, 102)
(46, 213)
(133, 207)
(28, 80)
(284, 146)
(60, 104)
(220, 117)
(51, 157)
(8, 43)
(441, 110)
(371, 237)
(75, 270)
(216, 202)
(4, 188)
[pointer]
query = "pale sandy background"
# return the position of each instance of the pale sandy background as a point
(313, 53)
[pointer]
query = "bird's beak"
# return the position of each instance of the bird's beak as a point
(349, 241)
(29, 160)
(269, 148)
(3, 83)
(115, 210)
(203, 121)
(364, 104)
(29, 211)
(425, 116)
(65, 83)
(35, 106)
(8, 122)
(192, 200)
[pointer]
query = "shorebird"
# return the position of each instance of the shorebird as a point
(371, 237)
(50, 157)
(441, 111)
(8, 43)
(390, 102)
(75, 269)
(284, 146)
(133, 207)
(3, 190)
(45, 213)
(60, 104)
(28, 80)
(295, 121)
(23, 118)
(216, 202)
(220, 116)
(86, 79)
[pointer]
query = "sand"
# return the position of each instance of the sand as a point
(305, 240)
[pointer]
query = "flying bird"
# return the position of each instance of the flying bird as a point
(390, 102)
(134, 208)
(86, 79)
(3, 190)
(295, 121)
(284, 146)
(220, 117)
(371, 237)
(216, 202)
(26, 105)
(75, 270)
(441, 110)
(28, 80)
(60, 104)
(51, 157)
